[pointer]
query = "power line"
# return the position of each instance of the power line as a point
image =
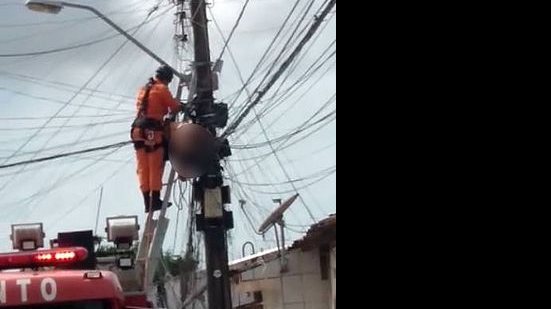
(94, 139)
(64, 155)
(88, 125)
(268, 49)
(62, 49)
(274, 105)
(60, 85)
(265, 211)
(56, 101)
(286, 136)
(308, 155)
(63, 182)
(261, 158)
(309, 73)
(10, 4)
(235, 63)
(269, 69)
(80, 203)
(283, 169)
(280, 147)
(102, 67)
(54, 30)
(284, 145)
(84, 132)
(245, 88)
(74, 158)
(35, 34)
(82, 19)
(306, 73)
(234, 28)
(77, 176)
(62, 179)
(312, 176)
(23, 138)
(59, 183)
(297, 189)
(111, 57)
(312, 44)
(312, 117)
(60, 117)
(76, 46)
(57, 187)
(249, 229)
(233, 126)
(288, 43)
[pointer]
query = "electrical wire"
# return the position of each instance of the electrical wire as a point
(65, 155)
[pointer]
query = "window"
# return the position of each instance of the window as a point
(71, 305)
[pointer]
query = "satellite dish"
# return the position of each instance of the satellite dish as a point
(277, 214)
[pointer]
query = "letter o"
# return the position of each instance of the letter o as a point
(50, 284)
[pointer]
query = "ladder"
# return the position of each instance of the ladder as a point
(150, 248)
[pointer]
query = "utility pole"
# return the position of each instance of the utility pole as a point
(214, 221)
(202, 61)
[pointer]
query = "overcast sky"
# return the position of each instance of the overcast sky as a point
(84, 97)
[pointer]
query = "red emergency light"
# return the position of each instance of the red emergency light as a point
(43, 258)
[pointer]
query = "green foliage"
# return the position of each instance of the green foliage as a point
(111, 250)
(175, 265)
(106, 250)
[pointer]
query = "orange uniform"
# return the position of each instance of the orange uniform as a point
(160, 101)
(148, 133)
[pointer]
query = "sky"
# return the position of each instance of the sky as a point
(79, 98)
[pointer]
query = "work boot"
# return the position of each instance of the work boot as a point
(147, 200)
(157, 202)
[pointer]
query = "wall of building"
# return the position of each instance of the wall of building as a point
(301, 287)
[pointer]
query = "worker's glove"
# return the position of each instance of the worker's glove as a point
(183, 107)
(188, 109)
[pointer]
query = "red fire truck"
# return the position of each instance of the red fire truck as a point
(30, 280)
(45, 279)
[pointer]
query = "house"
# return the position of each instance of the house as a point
(308, 279)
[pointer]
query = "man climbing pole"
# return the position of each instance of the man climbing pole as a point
(150, 137)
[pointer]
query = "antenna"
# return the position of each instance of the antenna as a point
(276, 218)
(277, 215)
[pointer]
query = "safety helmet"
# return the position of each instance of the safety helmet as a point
(165, 73)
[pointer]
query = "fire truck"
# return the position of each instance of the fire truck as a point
(68, 275)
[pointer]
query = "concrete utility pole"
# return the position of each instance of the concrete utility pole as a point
(214, 220)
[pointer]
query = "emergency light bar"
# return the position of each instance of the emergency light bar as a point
(44, 258)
